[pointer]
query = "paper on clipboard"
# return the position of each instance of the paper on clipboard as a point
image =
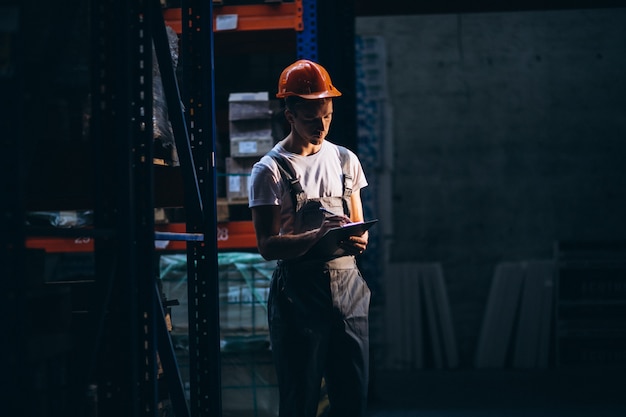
(328, 246)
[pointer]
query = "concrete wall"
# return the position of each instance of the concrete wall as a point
(509, 135)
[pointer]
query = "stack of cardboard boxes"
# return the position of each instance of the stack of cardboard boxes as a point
(250, 131)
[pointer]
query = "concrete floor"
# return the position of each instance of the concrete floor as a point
(499, 393)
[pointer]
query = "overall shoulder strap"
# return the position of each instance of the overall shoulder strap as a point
(344, 156)
(289, 175)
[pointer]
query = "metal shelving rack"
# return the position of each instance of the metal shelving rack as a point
(126, 340)
(130, 112)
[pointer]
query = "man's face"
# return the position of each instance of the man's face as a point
(311, 120)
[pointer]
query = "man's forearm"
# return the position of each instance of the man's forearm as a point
(288, 246)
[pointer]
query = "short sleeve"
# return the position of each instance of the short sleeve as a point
(358, 175)
(264, 188)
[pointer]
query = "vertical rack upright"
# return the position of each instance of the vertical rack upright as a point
(203, 290)
(124, 351)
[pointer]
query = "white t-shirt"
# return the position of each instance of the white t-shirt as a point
(320, 175)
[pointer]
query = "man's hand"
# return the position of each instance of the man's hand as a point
(355, 245)
(331, 222)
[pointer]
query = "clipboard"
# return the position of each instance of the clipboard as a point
(328, 245)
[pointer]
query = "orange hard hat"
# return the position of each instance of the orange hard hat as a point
(306, 79)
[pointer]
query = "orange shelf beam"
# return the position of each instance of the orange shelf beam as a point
(230, 235)
(61, 244)
(271, 16)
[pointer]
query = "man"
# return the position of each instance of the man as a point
(318, 306)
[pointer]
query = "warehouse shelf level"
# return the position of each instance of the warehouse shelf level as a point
(168, 237)
(270, 16)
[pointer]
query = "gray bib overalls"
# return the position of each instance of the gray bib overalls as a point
(318, 318)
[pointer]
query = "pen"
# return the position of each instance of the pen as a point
(325, 210)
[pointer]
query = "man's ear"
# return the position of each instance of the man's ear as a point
(289, 116)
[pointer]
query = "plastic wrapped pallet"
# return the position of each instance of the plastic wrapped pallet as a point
(249, 385)
(244, 280)
(244, 289)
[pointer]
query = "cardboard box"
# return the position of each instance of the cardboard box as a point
(250, 137)
(249, 147)
(237, 176)
(250, 129)
(245, 106)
